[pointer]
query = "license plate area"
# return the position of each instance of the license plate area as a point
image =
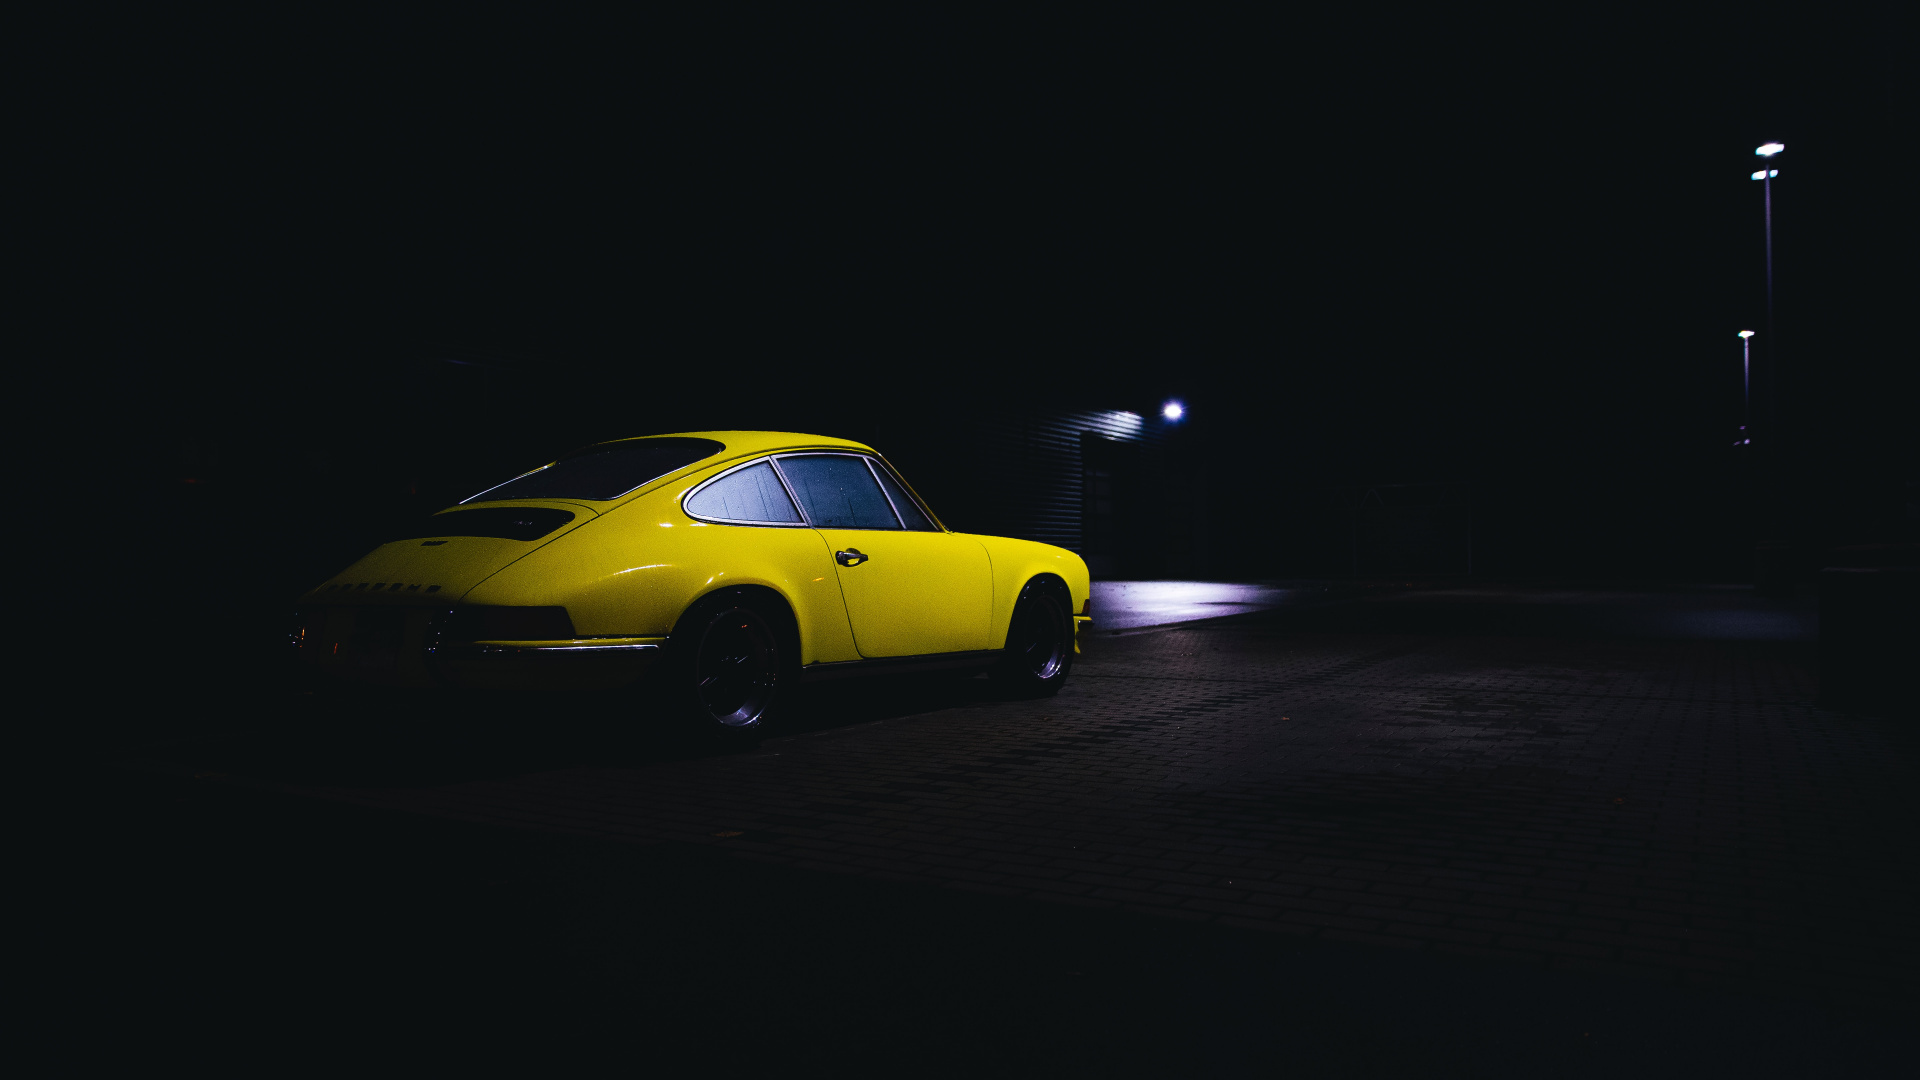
(374, 642)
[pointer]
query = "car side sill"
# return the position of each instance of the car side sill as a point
(900, 665)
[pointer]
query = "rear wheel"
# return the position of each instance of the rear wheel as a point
(728, 666)
(1039, 650)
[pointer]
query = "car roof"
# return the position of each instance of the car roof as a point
(740, 443)
(737, 444)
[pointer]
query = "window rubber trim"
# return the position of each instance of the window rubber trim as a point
(874, 464)
(879, 463)
(784, 486)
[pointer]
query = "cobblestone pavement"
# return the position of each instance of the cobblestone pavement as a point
(1669, 810)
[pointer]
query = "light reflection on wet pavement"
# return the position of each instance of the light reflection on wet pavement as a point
(1134, 605)
(1700, 613)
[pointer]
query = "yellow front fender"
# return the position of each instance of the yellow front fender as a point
(1016, 562)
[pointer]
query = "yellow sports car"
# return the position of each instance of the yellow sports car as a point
(719, 566)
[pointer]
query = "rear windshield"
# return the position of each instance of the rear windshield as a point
(605, 472)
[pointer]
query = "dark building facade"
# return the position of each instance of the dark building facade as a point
(1109, 484)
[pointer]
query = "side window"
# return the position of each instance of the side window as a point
(838, 492)
(910, 512)
(752, 494)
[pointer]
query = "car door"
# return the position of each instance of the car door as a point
(910, 587)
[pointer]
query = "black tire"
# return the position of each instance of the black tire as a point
(1039, 649)
(729, 664)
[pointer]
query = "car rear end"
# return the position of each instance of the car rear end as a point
(395, 618)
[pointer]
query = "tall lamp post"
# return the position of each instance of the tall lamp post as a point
(1765, 176)
(1746, 388)
(1773, 569)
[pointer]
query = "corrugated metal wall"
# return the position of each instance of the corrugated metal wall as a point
(1040, 472)
(1030, 472)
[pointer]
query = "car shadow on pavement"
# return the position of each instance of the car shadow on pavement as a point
(307, 739)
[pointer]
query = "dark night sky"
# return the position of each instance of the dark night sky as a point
(1389, 246)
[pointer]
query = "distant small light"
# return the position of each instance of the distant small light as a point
(1746, 333)
(1770, 149)
(1761, 175)
(1173, 410)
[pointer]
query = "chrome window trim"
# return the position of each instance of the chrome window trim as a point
(717, 477)
(900, 524)
(585, 450)
(786, 485)
(876, 464)
(507, 481)
(882, 463)
(885, 494)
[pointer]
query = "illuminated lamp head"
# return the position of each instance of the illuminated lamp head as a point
(1173, 410)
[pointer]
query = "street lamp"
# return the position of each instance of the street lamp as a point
(1173, 410)
(1770, 568)
(1767, 150)
(1746, 383)
(1765, 176)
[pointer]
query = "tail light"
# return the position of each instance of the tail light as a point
(308, 625)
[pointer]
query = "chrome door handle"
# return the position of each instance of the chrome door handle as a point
(850, 557)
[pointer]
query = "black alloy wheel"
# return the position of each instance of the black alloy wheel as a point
(731, 667)
(1039, 649)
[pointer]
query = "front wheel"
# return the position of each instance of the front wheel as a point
(727, 667)
(1039, 650)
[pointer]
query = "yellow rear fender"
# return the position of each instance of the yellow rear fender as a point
(633, 571)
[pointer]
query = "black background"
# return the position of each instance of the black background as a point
(315, 269)
(303, 272)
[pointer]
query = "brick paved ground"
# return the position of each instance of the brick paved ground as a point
(1673, 811)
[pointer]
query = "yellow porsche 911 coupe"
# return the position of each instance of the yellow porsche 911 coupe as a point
(718, 568)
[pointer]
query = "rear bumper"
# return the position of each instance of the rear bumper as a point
(406, 647)
(580, 664)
